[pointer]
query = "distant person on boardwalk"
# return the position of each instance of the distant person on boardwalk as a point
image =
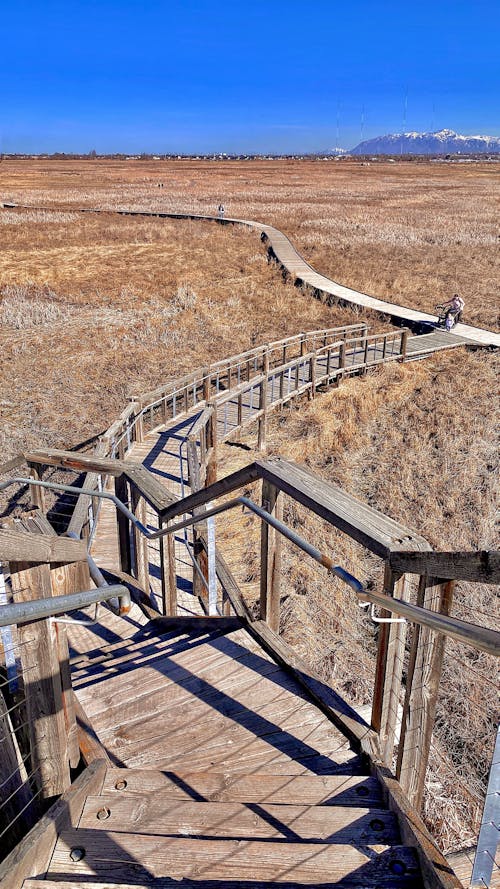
(454, 308)
(220, 211)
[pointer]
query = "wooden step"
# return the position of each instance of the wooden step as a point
(157, 814)
(129, 857)
(310, 790)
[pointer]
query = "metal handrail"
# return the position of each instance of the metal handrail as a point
(38, 609)
(481, 638)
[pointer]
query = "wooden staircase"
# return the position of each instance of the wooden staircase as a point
(252, 785)
(212, 828)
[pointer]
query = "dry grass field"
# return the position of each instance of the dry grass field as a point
(95, 308)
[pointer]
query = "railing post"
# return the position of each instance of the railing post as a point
(261, 444)
(342, 356)
(422, 686)
(19, 810)
(42, 683)
(37, 494)
(389, 668)
(121, 491)
(211, 473)
(168, 574)
(312, 376)
(270, 558)
(302, 344)
(141, 555)
(139, 427)
(66, 579)
(404, 344)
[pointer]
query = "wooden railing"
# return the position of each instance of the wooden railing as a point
(403, 553)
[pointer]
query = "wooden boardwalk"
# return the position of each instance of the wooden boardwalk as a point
(221, 772)
(286, 254)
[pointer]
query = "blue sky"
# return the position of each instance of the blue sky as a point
(261, 76)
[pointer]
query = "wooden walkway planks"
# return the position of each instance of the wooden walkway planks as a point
(214, 704)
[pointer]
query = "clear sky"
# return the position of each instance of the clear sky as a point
(242, 75)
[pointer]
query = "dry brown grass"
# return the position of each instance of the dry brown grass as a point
(95, 308)
(410, 233)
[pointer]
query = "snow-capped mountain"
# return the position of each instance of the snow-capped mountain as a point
(442, 142)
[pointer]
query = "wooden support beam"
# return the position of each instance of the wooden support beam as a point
(199, 587)
(270, 558)
(211, 473)
(404, 343)
(422, 686)
(42, 683)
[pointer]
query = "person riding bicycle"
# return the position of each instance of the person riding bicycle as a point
(454, 308)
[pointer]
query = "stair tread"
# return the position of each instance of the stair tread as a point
(157, 814)
(223, 786)
(129, 857)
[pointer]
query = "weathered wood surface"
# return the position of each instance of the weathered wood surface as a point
(311, 790)
(205, 700)
(481, 567)
(161, 815)
(378, 532)
(133, 857)
(42, 684)
(21, 546)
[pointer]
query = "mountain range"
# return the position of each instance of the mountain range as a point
(441, 142)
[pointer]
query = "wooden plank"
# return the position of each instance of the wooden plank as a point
(479, 567)
(218, 489)
(161, 815)
(168, 575)
(376, 531)
(141, 558)
(134, 857)
(324, 790)
(19, 546)
(42, 683)
(32, 855)
(422, 687)
(270, 558)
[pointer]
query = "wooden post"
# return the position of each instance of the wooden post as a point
(404, 344)
(270, 558)
(422, 687)
(65, 579)
(389, 668)
(302, 344)
(168, 574)
(139, 427)
(211, 473)
(42, 683)
(121, 491)
(141, 561)
(37, 494)
(261, 443)
(206, 385)
(342, 356)
(312, 376)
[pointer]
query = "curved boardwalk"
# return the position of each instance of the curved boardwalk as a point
(282, 249)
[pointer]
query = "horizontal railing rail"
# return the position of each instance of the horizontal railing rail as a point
(38, 609)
